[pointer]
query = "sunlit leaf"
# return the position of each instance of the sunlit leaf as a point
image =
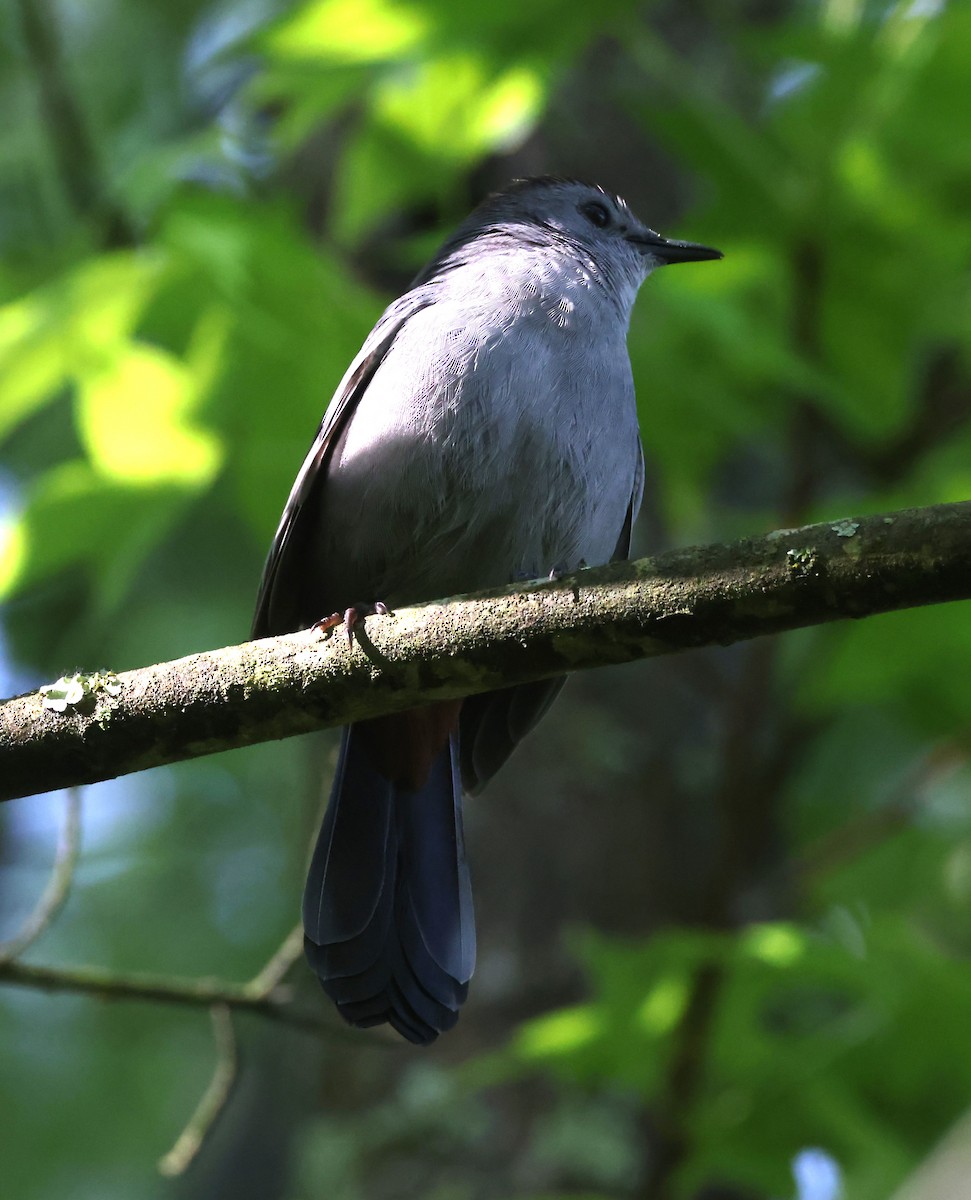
(561, 1033)
(457, 106)
(135, 417)
(345, 31)
(75, 516)
(664, 1005)
(48, 337)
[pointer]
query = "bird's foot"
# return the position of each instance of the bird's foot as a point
(349, 618)
(558, 570)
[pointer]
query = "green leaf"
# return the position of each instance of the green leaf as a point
(348, 31)
(71, 325)
(138, 418)
(74, 516)
(916, 663)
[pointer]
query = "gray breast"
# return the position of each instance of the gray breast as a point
(482, 452)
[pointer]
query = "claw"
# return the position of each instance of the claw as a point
(349, 618)
(326, 624)
(559, 570)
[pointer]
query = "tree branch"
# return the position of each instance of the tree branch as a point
(263, 994)
(214, 1099)
(55, 895)
(700, 596)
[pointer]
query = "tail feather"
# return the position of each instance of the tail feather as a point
(442, 986)
(354, 855)
(403, 1018)
(437, 868)
(360, 956)
(415, 1001)
(388, 913)
(358, 988)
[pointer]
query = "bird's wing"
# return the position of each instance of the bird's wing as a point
(314, 469)
(622, 550)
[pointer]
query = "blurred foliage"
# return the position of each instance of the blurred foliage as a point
(203, 208)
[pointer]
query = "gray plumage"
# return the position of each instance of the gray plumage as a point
(486, 432)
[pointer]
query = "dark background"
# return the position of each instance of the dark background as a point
(724, 899)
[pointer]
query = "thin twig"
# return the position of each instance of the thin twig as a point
(58, 887)
(214, 1099)
(261, 987)
(280, 962)
(162, 989)
(263, 994)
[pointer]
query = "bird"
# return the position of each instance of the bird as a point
(485, 433)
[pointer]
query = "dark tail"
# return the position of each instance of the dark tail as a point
(387, 910)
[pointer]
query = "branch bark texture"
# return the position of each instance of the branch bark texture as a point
(700, 596)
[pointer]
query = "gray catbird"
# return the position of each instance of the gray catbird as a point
(486, 432)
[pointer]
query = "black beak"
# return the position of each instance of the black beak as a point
(668, 251)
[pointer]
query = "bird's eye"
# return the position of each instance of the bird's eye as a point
(596, 213)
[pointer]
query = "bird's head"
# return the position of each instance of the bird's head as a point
(575, 218)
